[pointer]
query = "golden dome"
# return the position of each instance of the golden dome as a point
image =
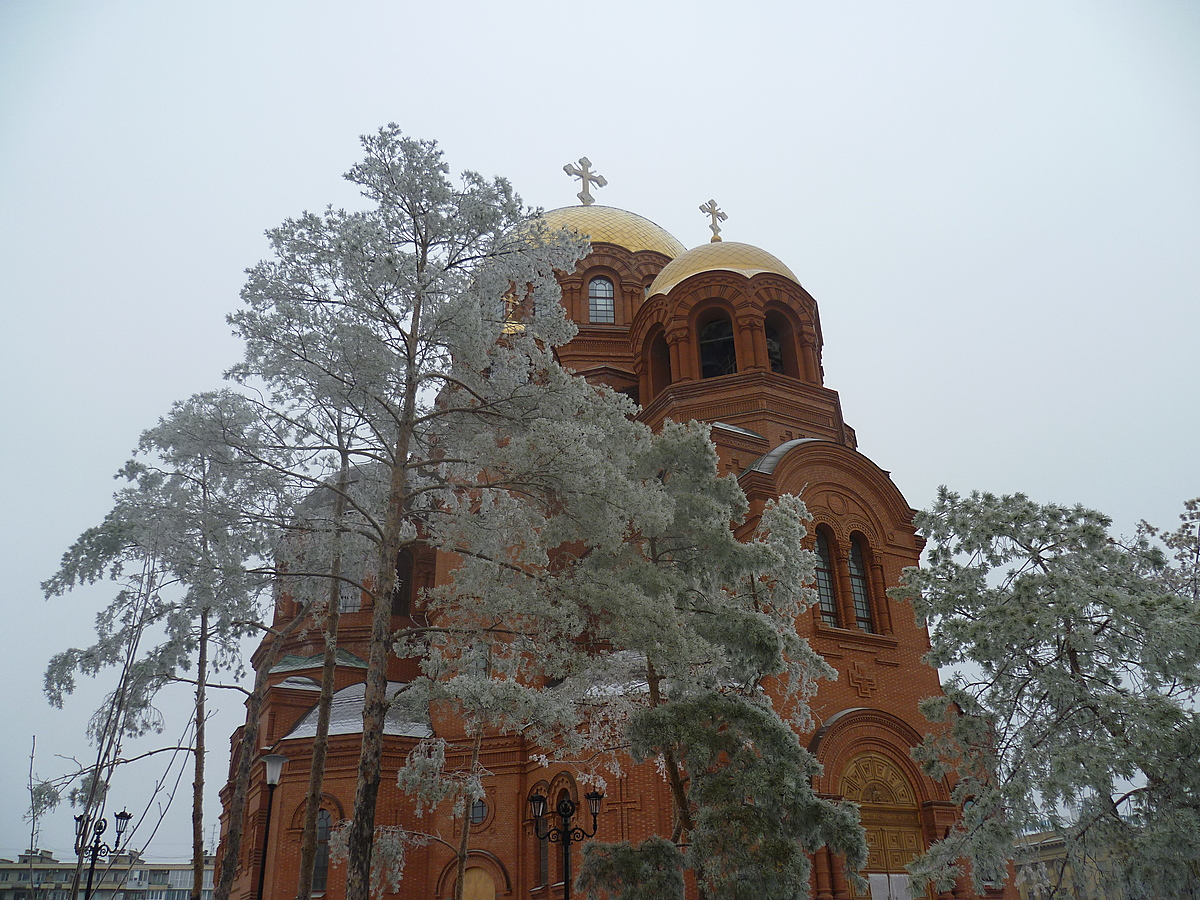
(609, 225)
(729, 256)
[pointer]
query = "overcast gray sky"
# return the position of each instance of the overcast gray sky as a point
(996, 205)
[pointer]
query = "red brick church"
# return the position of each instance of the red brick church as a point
(726, 334)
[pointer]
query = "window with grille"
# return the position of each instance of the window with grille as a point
(860, 588)
(826, 595)
(600, 301)
(479, 811)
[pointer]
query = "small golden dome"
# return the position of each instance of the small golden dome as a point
(609, 225)
(730, 256)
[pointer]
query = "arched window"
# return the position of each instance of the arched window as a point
(826, 593)
(600, 300)
(402, 593)
(321, 868)
(718, 355)
(781, 345)
(860, 588)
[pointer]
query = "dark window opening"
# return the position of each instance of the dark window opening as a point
(600, 301)
(826, 595)
(860, 589)
(660, 365)
(718, 355)
(321, 867)
(402, 593)
(781, 345)
(479, 811)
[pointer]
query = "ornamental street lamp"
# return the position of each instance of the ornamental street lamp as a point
(274, 766)
(93, 846)
(564, 832)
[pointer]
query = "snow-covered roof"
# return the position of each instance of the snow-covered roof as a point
(293, 663)
(405, 719)
(737, 429)
(768, 461)
(300, 683)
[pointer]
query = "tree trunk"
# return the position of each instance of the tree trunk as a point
(198, 781)
(465, 836)
(360, 838)
(320, 746)
(683, 812)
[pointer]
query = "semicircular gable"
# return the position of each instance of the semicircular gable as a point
(771, 290)
(857, 493)
(853, 732)
(650, 314)
(617, 259)
(703, 286)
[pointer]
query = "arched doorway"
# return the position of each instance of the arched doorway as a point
(891, 817)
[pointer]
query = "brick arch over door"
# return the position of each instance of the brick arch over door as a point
(488, 864)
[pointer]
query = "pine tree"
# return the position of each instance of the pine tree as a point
(192, 529)
(1073, 704)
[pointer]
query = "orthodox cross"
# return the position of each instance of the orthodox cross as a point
(713, 211)
(585, 174)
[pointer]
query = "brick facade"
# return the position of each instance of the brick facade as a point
(778, 427)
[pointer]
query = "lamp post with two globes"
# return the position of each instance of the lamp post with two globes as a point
(93, 846)
(564, 833)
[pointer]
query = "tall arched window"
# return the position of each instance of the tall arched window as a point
(781, 344)
(600, 300)
(826, 593)
(660, 366)
(718, 355)
(321, 868)
(860, 588)
(402, 593)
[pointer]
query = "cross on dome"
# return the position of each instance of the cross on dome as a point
(713, 211)
(585, 174)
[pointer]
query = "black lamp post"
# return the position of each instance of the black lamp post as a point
(93, 846)
(274, 765)
(564, 832)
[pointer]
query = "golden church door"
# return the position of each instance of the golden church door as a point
(891, 819)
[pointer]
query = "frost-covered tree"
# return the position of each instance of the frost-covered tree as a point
(699, 627)
(429, 320)
(1073, 706)
(186, 542)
